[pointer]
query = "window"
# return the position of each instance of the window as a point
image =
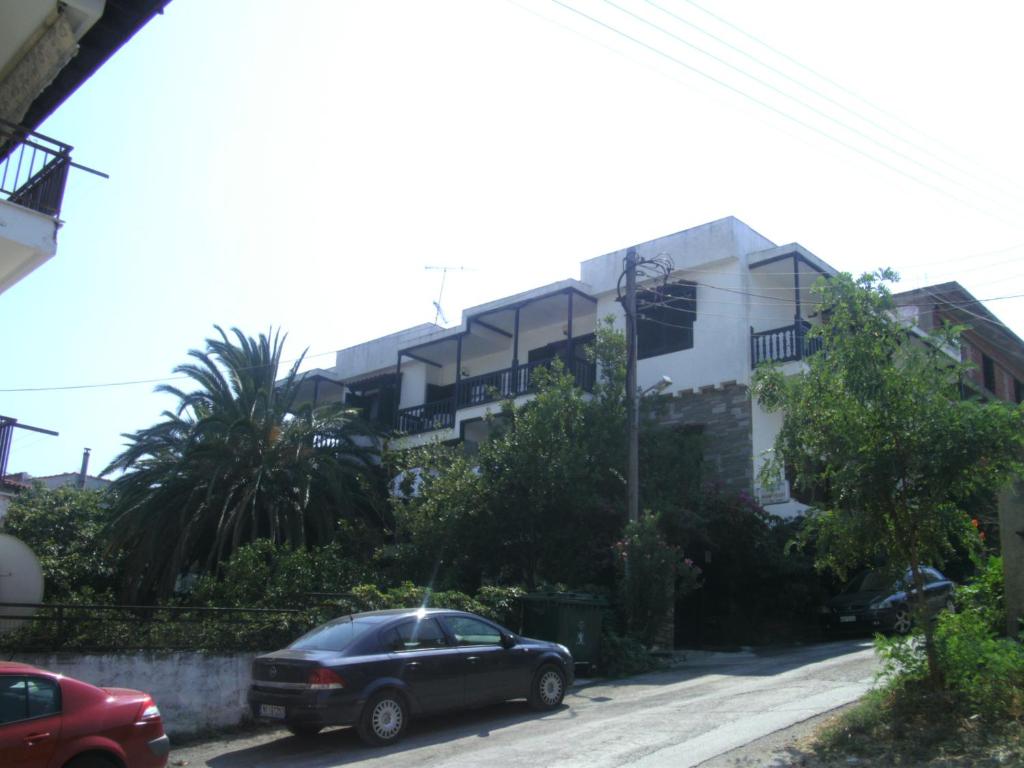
(43, 697)
(468, 631)
(665, 318)
(24, 698)
(415, 635)
(988, 373)
(333, 636)
(376, 398)
(1018, 395)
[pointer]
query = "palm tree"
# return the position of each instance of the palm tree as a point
(237, 460)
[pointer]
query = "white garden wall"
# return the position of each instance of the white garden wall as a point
(195, 692)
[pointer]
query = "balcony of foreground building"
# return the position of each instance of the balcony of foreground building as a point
(33, 172)
(453, 377)
(781, 301)
(782, 345)
(488, 388)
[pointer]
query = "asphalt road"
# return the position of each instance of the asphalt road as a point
(683, 717)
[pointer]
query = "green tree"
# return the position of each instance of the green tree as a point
(543, 499)
(237, 460)
(65, 527)
(878, 425)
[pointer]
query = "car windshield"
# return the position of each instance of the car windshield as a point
(869, 581)
(336, 635)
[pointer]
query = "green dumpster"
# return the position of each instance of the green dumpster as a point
(570, 618)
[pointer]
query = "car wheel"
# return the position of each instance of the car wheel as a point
(304, 730)
(548, 688)
(383, 719)
(91, 761)
(901, 622)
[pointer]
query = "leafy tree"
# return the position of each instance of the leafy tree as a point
(552, 485)
(543, 499)
(65, 528)
(879, 426)
(237, 460)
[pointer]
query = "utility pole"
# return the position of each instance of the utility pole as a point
(632, 400)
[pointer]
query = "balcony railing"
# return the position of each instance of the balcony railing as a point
(33, 169)
(486, 388)
(782, 345)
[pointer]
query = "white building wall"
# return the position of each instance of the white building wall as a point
(731, 299)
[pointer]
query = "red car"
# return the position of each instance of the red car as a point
(51, 721)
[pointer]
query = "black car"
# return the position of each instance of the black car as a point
(375, 670)
(871, 601)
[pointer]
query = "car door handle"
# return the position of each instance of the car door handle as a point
(33, 738)
(472, 659)
(412, 665)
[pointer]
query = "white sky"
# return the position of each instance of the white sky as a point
(298, 164)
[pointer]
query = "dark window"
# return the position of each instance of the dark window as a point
(23, 698)
(333, 636)
(13, 702)
(1018, 395)
(376, 399)
(988, 373)
(665, 318)
(561, 349)
(436, 392)
(468, 631)
(415, 635)
(43, 697)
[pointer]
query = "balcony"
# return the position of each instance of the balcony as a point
(782, 345)
(487, 388)
(33, 169)
(33, 172)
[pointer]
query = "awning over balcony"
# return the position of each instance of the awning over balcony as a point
(495, 354)
(496, 329)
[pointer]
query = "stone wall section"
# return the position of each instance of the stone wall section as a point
(723, 414)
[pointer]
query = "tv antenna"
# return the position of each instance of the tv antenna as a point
(438, 312)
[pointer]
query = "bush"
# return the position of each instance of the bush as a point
(622, 656)
(653, 575)
(756, 587)
(267, 575)
(983, 672)
(65, 527)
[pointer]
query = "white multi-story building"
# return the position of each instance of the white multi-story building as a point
(736, 299)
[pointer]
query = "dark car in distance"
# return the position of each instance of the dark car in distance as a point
(52, 721)
(377, 670)
(871, 601)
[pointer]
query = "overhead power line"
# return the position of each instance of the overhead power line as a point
(133, 382)
(782, 113)
(848, 91)
(819, 93)
(821, 113)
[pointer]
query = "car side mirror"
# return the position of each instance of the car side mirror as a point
(508, 641)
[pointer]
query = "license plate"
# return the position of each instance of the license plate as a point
(847, 619)
(272, 710)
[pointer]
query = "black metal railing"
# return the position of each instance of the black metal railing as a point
(33, 168)
(487, 388)
(439, 414)
(102, 627)
(781, 345)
